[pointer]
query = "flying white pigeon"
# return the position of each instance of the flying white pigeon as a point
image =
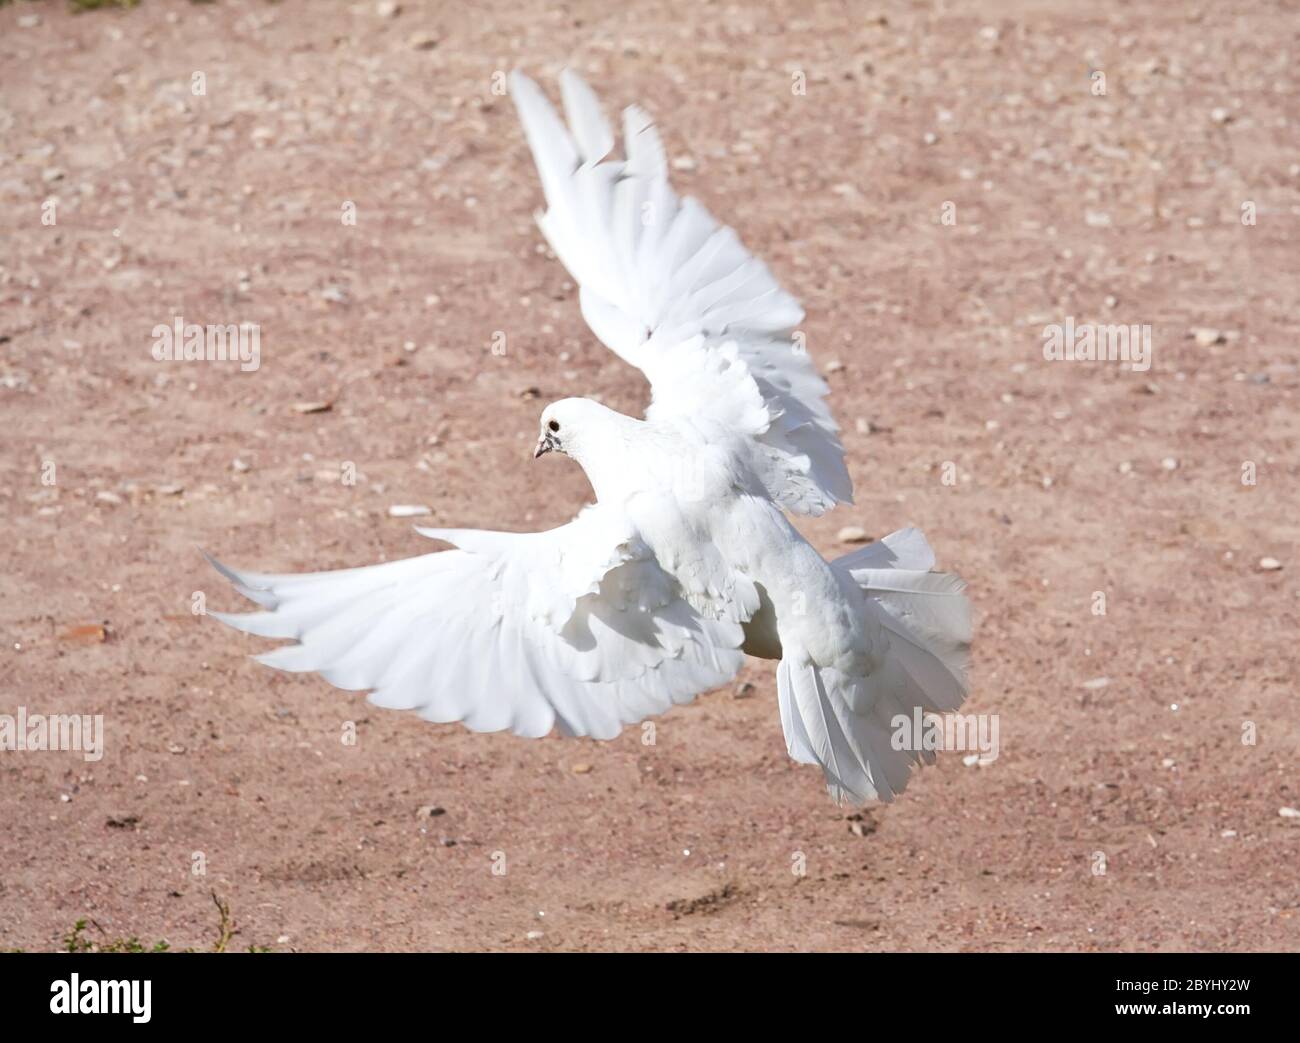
(686, 562)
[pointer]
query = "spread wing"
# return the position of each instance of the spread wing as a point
(576, 627)
(675, 293)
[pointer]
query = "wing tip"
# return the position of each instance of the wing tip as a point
(245, 583)
(518, 79)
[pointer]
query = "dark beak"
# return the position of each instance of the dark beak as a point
(544, 445)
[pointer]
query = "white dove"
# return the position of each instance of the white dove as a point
(686, 562)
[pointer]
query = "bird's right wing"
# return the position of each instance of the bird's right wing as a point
(577, 627)
(674, 292)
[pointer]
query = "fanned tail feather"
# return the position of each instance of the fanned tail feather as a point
(846, 724)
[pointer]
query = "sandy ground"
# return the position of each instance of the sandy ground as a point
(1066, 478)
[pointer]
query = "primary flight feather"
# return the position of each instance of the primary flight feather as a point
(686, 562)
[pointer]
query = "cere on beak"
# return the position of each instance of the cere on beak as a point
(544, 444)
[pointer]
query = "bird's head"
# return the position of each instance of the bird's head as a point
(571, 423)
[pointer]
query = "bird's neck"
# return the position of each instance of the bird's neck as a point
(605, 456)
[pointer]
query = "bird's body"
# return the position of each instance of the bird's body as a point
(691, 493)
(687, 561)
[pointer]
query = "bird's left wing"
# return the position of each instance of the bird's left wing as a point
(668, 288)
(576, 627)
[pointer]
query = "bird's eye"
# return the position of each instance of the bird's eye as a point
(554, 425)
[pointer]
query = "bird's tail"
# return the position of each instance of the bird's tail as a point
(850, 725)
